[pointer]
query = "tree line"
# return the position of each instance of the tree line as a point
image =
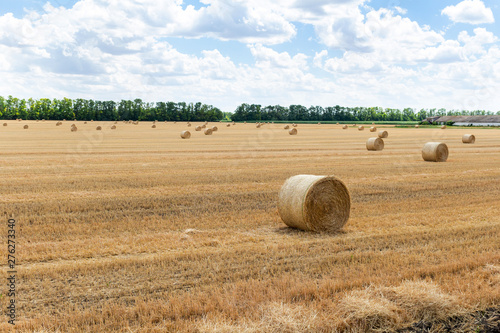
(88, 109)
(255, 112)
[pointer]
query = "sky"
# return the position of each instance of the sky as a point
(386, 53)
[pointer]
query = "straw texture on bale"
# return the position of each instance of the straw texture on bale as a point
(314, 203)
(373, 129)
(215, 128)
(292, 131)
(185, 134)
(360, 128)
(98, 128)
(208, 131)
(25, 126)
(375, 144)
(468, 138)
(286, 127)
(435, 152)
(443, 127)
(344, 127)
(383, 134)
(197, 128)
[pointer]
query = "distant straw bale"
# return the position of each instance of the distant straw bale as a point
(286, 127)
(361, 128)
(292, 131)
(373, 129)
(383, 134)
(197, 128)
(98, 128)
(25, 126)
(185, 134)
(208, 131)
(468, 138)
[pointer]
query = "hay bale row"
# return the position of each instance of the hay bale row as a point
(314, 203)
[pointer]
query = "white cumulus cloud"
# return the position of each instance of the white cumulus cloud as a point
(469, 11)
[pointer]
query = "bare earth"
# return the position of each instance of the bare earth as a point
(135, 229)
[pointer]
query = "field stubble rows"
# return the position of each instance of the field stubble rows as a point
(137, 229)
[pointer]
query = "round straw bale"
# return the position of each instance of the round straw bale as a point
(315, 203)
(373, 123)
(435, 152)
(113, 127)
(25, 126)
(344, 127)
(319, 123)
(286, 127)
(417, 126)
(228, 125)
(116, 122)
(215, 128)
(74, 129)
(338, 124)
(185, 134)
(197, 128)
(245, 122)
(360, 128)
(294, 125)
(292, 131)
(373, 129)
(188, 125)
(204, 126)
(383, 134)
(84, 122)
(4, 124)
(375, 144)
(175, 122)
(58, 123)
(98, 128)
(468, 138)
(443, 127)
(37, 120)
(208, 131)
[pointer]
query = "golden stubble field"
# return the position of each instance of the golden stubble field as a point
(135, 229)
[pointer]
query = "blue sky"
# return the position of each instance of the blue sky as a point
(388, 53)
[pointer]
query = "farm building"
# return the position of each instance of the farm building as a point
(493, 120)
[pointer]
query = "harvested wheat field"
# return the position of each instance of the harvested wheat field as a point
(133, 230)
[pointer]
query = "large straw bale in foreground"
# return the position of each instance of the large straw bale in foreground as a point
(435, 152)
(185, 134)
(383, 134)
(292, 131)
(468, 138)
(375, 144)
(315, 203)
